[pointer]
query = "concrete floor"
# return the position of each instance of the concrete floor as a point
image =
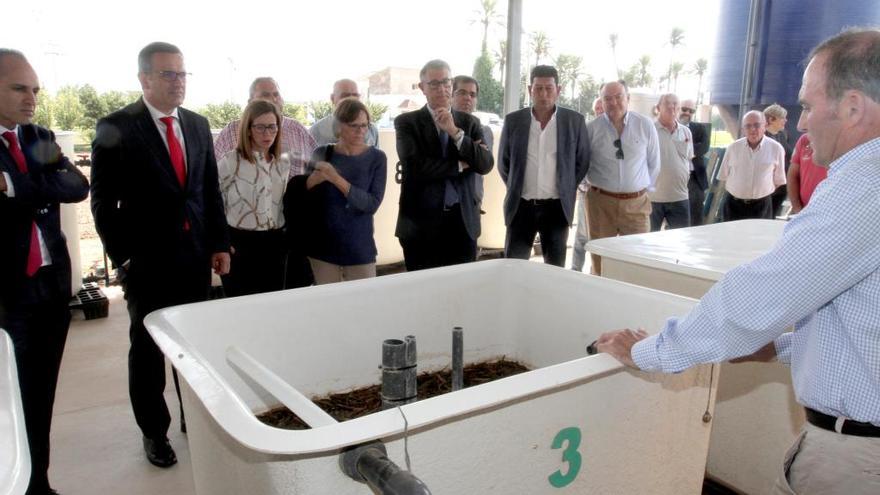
(96, 445)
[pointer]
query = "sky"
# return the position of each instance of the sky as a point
(308, 45)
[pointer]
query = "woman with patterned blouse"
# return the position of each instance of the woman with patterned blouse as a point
(253, 179)
(345, 189)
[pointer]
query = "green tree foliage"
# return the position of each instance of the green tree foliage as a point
(320, 109)
(487, 15)
(491, 92)
(44, 113)
(569, 67)
(220, 115)
(700, 68)
(296, 112)
(540, 44)
(588, 90)
(68, 109)
(115, 100)
(377, 110)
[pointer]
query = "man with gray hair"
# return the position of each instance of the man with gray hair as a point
(440, 149)
(326, 130)
(822, 277)
(295, 139)
(669, 199)
(753, 167)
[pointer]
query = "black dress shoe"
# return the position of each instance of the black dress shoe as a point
(159, 452)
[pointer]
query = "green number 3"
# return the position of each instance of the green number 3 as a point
(570, 455)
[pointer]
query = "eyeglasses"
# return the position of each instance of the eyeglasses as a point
(171, 76)
(464, 92)
(437, 84)
(265, 129)
(357, 127)
(687, 110)
(753, 125)
(619, 146)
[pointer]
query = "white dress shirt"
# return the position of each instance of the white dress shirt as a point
(539, 181)
(10, 193)
(640, 164)
(753, 173)
(178, 131)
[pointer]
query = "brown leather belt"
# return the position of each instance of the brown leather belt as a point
(840, 425)
(631, 195)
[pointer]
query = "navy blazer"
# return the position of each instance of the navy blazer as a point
(424, 172)
(51, 180)
(138, 204)
(572, 157)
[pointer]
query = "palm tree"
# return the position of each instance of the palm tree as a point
(501, 57)
(676, 37)
(674, 70)
(540, 45)
(569, 67)
(644, 77)
(487, 15)
(700, 67)
(612, 39)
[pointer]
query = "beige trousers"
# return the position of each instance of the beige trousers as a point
(328, 273)
(823, 462)
(608, 217)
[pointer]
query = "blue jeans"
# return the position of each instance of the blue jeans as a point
(676, 213)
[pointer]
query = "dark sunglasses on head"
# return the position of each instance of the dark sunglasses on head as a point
(619, 146)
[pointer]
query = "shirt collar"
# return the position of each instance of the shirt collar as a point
(158, 114)
(4, 129)
(433, 112)
(552, 116)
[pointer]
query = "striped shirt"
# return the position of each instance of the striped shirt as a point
(823, 277)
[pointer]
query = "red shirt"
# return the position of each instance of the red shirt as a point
(810, 174)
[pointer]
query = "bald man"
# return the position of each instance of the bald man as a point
(325, 131)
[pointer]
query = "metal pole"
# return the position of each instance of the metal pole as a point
(514, 43)
(748, 77)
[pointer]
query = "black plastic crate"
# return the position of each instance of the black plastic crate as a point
(92, 301)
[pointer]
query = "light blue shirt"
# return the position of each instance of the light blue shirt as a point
(823, 277)
(641, 154)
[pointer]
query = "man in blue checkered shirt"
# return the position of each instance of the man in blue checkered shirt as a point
(823, 277)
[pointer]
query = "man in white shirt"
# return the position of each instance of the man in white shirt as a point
(624, 165)
(753, 167)
(326, 130)
(542, 157)
(669, 199)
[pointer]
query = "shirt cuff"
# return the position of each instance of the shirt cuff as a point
(644, 354)
(10, 189)
(459, 140)
(783, 347)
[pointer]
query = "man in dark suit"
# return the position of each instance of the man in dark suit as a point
(543, 155)
(439, 149)
(465, 94)
(698, 182)
(159, 212)
(35, 272)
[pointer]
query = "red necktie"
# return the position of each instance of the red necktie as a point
(34, 259)
(176, 152)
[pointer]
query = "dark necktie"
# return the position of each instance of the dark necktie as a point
(450, 194)
(34, 258)
(176, 153)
